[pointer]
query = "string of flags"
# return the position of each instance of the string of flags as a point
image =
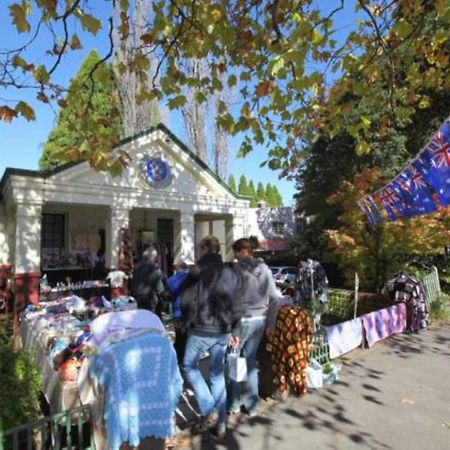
(418, 187)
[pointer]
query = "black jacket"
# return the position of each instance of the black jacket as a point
(212, 299)
(147, 281)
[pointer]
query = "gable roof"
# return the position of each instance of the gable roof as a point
(161, 127)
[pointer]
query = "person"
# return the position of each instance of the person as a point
(212, 308)
(175, 285)
(259, 291)
(147, 283)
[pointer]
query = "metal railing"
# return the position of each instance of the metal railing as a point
(71, 429)
(431, 285)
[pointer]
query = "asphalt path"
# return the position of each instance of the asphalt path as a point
(395, 395)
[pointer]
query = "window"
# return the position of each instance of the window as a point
(278, 227)
(53, 232)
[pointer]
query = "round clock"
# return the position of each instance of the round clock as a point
(155, 171)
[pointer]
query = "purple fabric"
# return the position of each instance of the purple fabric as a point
(385, 322)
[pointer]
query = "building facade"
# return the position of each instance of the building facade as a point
(67, 218)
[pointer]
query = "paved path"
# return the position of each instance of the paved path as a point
(393, 396)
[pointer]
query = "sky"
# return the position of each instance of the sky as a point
(21, 141)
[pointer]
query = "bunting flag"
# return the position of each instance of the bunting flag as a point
(415, 193)
(411, 192)
(388, 199)
(369, 212)
(434, 163)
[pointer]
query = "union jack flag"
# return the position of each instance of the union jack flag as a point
(435, 164)
(387, 195)
(440, 149)
(417, 180)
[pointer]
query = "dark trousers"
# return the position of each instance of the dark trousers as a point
(181, 336)
(149, 302)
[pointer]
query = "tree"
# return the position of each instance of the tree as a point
(137, 113)
(270, 198)
(265, 50)
(277, 197)
(243, 186)
(260, 192)
(377, 253)
(74, 129)
(252, 194)
(232, 183)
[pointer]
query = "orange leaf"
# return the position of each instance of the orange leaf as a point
(7, 114)
(75, 43)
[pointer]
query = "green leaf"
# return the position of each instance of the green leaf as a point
(19, 18)
(25, 110)
(90, 23)
(274, 163)
(232, 80)
(176, 102)
(275, 65)
(363, 147)
(41, 74)
(403, 28)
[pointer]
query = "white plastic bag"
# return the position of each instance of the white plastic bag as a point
(237, 367)
(314, 375)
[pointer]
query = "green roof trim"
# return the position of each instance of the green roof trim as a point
(161, 127)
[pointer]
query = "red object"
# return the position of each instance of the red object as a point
(117, 292)
(5, 286)
(26, 288)
(69, 370)
(273, 244)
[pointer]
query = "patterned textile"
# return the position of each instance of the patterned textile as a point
(344, 337)
(383, 323)
(409, 290)
(125, 251)
(290, 345)
(142, 385)
(311, 280)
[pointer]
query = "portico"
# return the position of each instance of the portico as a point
(73, 214)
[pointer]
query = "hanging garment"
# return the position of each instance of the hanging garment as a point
(383, 323)
(344, 337)
(290, 346)
(142, 384)
(311, 280)
(409, 290)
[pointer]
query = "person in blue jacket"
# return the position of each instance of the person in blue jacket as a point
(175, 284)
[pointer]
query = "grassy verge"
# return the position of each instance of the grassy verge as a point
(440, 309)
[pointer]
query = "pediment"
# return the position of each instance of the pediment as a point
(154, 157)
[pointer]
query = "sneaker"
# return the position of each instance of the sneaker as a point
(219, 431)
(204, 423)
(233, 411)
(251, 412)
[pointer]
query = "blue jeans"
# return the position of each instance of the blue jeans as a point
(208, 399)
(246, 393)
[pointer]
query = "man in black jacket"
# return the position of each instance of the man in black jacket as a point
(147, 283)
(212, 306)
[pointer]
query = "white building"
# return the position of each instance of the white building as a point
(62, 218)
(272, 226)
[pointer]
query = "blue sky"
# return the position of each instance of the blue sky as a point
(21, 141)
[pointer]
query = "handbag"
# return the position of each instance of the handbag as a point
(237, 366)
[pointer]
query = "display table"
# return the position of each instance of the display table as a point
(60, 395)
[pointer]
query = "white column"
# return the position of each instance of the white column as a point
(28, 238)
(184, 231)
(118, 218)
(234, 229)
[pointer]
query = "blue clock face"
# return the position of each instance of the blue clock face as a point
(156, 172)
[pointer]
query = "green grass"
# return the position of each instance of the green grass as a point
(440, 309)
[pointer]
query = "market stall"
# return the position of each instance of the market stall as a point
(72, 340)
